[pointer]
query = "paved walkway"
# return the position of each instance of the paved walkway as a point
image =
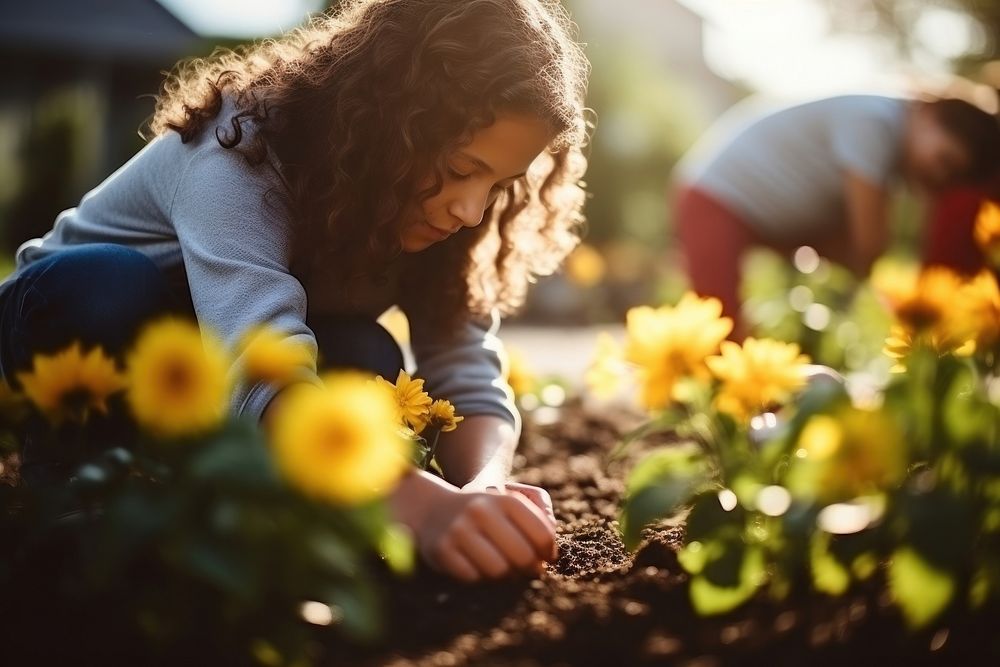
(565, 352)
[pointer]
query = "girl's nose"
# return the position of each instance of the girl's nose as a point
(469, 209)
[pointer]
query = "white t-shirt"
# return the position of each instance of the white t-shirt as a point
(783, 172)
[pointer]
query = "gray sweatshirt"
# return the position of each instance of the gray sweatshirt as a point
(198, 210)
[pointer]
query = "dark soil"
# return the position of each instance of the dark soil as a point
(600, 605)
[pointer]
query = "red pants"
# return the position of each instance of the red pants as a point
(714, 240)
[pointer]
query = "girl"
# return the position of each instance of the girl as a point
(425, 153)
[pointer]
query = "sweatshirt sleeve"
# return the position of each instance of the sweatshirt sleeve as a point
(467, 369)
(236, 251)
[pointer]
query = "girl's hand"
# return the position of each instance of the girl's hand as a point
(537, 495)
(474, 535)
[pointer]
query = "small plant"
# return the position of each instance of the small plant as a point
(199, 534)
(782, 482)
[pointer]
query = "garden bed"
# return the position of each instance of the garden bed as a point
(600, 605)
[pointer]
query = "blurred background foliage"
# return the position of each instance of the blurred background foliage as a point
(78, 84)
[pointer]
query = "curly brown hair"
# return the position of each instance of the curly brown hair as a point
(361, 104)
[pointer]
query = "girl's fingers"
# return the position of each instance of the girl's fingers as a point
(538, 496)
(483, 555)
(533, 524)
(508, 539)
(454, 563)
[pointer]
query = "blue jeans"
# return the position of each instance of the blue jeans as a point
(102, 294)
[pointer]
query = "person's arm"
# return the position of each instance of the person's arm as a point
(473, 535)
(479, 453)
(236, 248)
(867, 220)
(469, 535)
(866, 142)
(468, 370)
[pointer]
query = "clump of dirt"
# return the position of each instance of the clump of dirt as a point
(590, 547)
(600, 605)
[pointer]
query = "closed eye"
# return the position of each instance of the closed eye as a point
(457, 175)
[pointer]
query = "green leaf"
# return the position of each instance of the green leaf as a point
(968, 416)
(222, 567)
(237, 455)
(725, 569)
(695, 555)
(359, 604)
(709, 599)
(828, 574)
(941, 527)
(396, 548)
(707, 518)
(681, 460)
(664, 422)
(660, 485)
(921, 590)
(650, 504)
(335, 554)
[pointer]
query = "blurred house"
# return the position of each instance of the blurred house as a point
(74, 74)
(654, 94)
(671, 34)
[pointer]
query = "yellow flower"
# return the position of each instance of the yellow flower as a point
(846, 454)
(442, 416)
(987, 231)
(585, 266)
(69, 384)
(177, 380)
(604, 377)
(977, 312)
(926, 302)
(967, 320)
(518, 373)
(412, 402)
(670, 343)
(928, 313)
(270, 357)
(898, 346)
(339, 442)
(758, 375)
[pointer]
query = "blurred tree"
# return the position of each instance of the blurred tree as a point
(901, 18)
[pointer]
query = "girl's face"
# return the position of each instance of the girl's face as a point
(476, 174)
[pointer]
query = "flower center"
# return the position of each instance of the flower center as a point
(177, 378)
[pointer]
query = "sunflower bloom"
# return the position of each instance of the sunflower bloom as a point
(758, 375)
(413, 403)
(270, 357)
(442, 416)
(177, 380)
(987, 231)
(670, 343)
(69, 384)
(340, 442)
(604, 377)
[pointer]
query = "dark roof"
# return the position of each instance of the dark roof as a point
(139, 29)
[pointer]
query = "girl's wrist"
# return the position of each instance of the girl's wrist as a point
(417, 493)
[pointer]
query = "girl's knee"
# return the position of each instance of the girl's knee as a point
(97, 294)
(356, 343)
